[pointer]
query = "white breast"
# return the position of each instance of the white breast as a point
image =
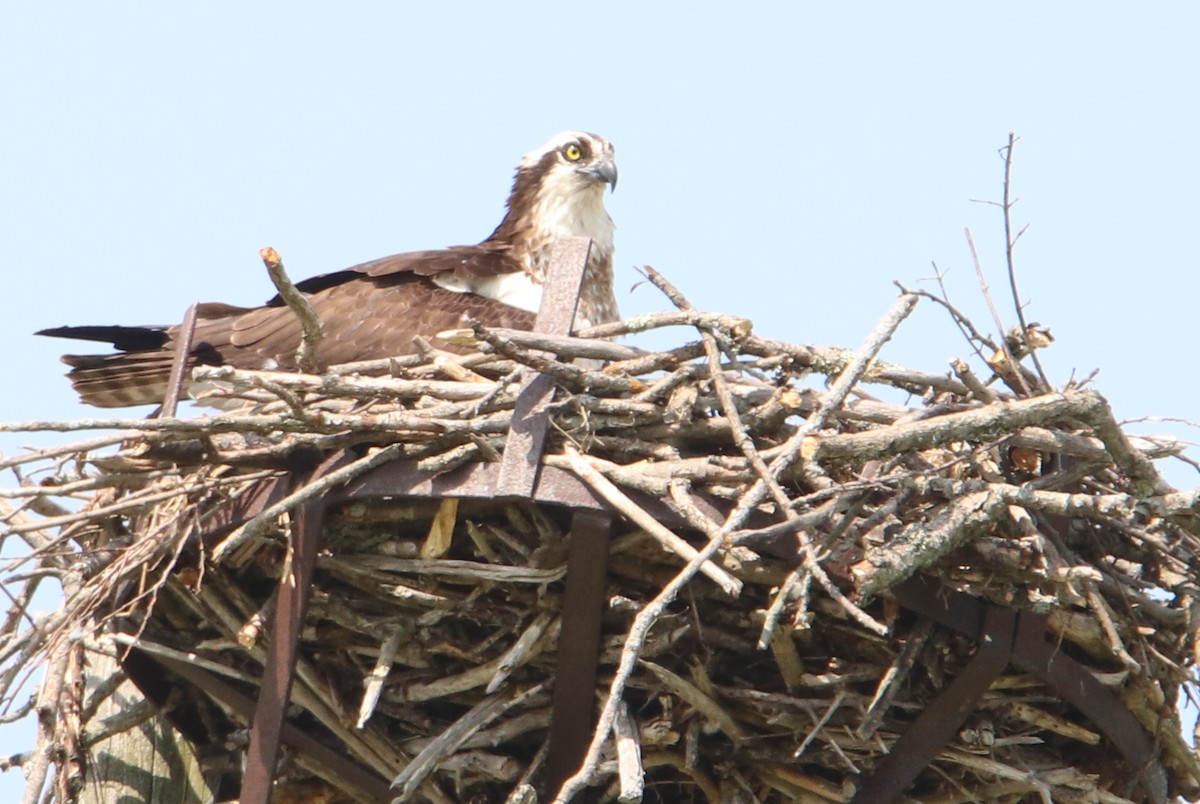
(515, 289)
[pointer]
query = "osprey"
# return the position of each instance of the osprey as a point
(375, 309)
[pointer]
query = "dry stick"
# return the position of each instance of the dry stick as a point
(691, 318)
(130, 503)
(1003, 417)
(483, 713)
(72, 766)
(308, 356)
(340, 386)
(831, 361)
(629, 757)
(807, 553)
(1010, 243)
(320, 421)
(970, 334)
(987, 295)
(820, 724)
(97, 514)
(50, 702)
(746, 444)
(1104, 617)
(566, 373)
(522, 650)
(89, 483)
(974, 504)
(135, 426)
(1128, 459)
(978, 389)
(831, 400)
(177, 379)
(48, 697)
(775, 610)
(259, 524)
(65, 449)
(638, 515)
(374, 684)
(565, 346)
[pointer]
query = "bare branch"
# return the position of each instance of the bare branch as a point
(308, 355)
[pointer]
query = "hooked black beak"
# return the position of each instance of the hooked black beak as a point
(605, 171)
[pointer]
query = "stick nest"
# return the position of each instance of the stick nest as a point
(781, 670)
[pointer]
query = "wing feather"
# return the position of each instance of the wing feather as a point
(363, 317)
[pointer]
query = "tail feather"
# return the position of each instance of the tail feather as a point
(140, 372)
(120, 380)
(126, 339)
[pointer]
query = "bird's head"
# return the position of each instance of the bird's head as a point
(573, 160)
(559, 192)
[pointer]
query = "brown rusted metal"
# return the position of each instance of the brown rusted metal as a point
(573, 710)
(941, 720)
(479, 480)
(280, 668)
(531, 415)
(360, 781)
(179, 363)
(1079, 687)
(1035, 655)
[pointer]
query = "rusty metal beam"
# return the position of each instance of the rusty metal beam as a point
(573, 710)
(280, 669)
(177, 379)
(358, 780)
(531, 414)
(1079, 687)
(940, 721)
(1032, 653)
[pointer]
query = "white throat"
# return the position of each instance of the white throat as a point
(563, 209)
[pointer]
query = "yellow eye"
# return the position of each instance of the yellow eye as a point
(572, 153)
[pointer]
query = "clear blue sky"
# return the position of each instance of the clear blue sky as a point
(782, 161)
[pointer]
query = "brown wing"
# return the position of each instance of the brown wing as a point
(370, 311)
(361, 320)
(465, 262)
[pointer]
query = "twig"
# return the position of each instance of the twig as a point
(341, 386)
(374, 684)
(416, 771)
(1010, 243)
(565, 346)
(521, 651)
(638, 515)
(308, 354)
(567, 373)
(775, 610)
(735, 325)
(630, 774)
(820, 724)
(987, 295)
(831, 400)
(259, 524)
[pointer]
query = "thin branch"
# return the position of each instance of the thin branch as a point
(308, 355)
(1011, 359)
(1010, 243)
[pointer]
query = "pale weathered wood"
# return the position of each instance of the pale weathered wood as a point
(149, 763)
